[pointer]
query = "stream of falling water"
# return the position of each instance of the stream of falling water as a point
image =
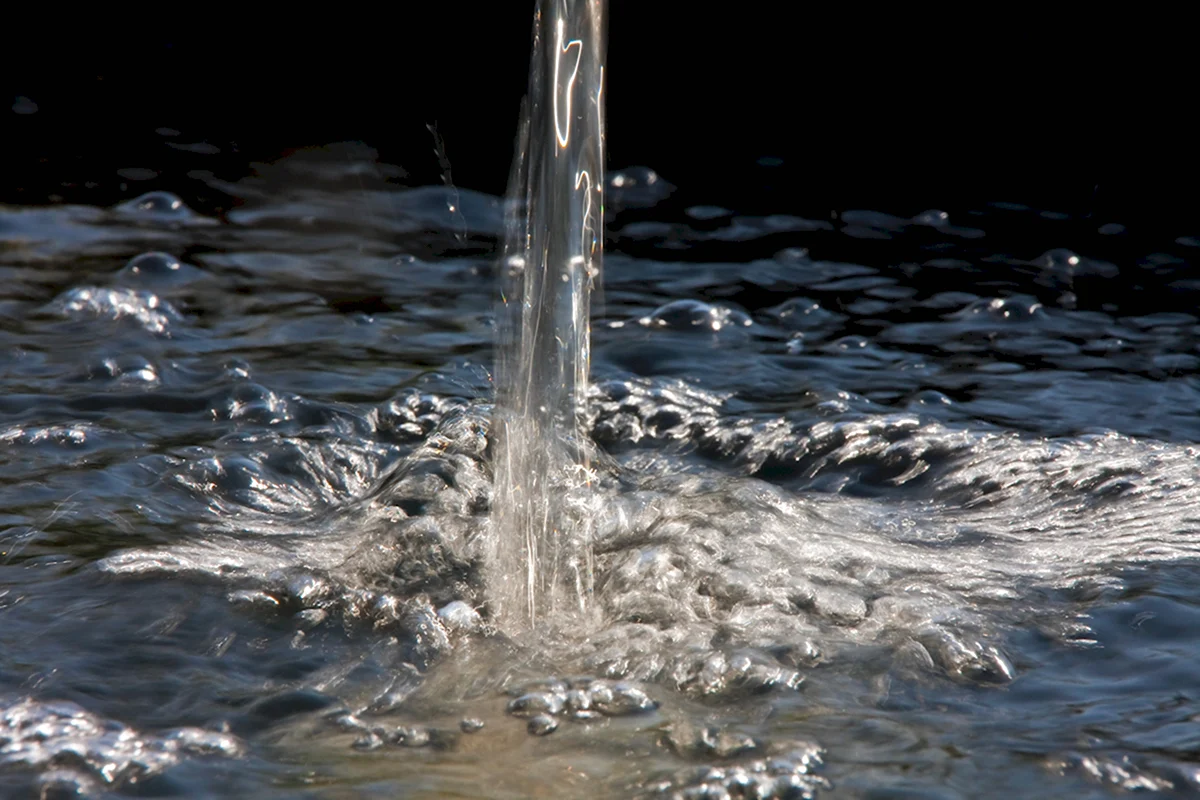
(542, 562)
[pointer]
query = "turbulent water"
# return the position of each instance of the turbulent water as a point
(885, 506)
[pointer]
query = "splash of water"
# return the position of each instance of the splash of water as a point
(542, 561)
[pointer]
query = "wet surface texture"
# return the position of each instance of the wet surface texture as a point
(885, 505)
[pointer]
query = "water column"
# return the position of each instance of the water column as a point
(541, 564)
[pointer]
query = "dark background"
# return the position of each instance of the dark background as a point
(899, 113)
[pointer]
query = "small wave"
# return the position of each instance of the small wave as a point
(71, 751)
(144, 308)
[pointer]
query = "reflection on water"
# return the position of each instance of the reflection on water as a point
(884, 504)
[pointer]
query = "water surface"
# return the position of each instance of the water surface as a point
(892, 504)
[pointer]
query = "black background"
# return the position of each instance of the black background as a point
(900, 112)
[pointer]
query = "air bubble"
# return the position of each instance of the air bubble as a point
(685, 315)
(157, 271)
(933, 218)
(157, 204)
(541, 725)
(458, 616)
(153, 265)
(536, 703)
(636, 187)
(802, 314)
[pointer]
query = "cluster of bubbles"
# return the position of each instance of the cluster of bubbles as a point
(544, 703)
(76, 752)
(746, 768)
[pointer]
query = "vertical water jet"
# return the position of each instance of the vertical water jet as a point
(541, 564)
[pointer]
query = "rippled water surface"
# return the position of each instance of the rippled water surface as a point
(887, 506)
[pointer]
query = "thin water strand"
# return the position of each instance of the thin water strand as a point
(542, 560)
